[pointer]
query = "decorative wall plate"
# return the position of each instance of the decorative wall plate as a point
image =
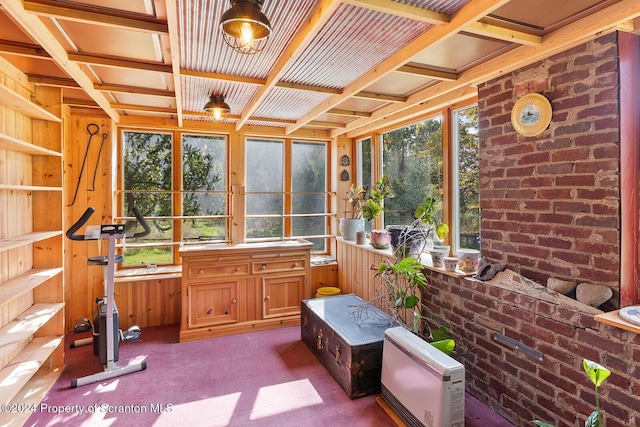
(531, 114)
(631, 314)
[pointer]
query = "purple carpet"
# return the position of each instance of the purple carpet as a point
(265, 378)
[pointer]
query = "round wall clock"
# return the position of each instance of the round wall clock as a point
(531, 114)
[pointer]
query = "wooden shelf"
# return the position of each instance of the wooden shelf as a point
(31, 395)
(18, 187)
(27, 239)
(613, 318)
(19, 285)
(17, 333)
(15, 144)
(16, 102)
(20, 370)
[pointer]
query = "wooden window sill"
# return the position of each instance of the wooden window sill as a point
(613, 318)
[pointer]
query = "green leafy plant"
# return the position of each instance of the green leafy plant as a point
(402, 281)
(368, 204)
(598, 374)
(425, 214)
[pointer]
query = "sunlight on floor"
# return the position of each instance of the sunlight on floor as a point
(280, 398)
(217, 411)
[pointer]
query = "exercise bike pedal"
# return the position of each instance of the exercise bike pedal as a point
(82, 325)
(132, 334)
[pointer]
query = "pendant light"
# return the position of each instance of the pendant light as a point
(244, 27)
(216, 108)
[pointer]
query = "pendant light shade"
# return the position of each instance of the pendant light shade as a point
(244, 27)
(216, 108)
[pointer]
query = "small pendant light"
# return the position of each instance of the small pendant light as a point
(216, 108)
(244, 26)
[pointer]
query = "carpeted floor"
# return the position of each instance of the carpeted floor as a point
(265, 378)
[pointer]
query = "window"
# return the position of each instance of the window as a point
(466, 175)
(364, 162)
(183, 200)
(412, 160)
(286, 190)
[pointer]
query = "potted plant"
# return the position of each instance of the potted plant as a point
(401, 284)
(365, 205)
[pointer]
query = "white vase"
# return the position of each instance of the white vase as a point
(350, 226)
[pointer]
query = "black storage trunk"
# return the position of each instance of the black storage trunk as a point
(346, 334)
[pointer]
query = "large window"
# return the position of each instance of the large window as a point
(184, 198)
(412, 160)
(286, 187)
(466, 175)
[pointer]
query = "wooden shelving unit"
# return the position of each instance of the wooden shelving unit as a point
(31, 244)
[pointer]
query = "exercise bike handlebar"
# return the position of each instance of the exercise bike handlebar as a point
(71, 232)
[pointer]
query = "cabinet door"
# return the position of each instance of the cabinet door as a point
(282, 295)
(213, 303)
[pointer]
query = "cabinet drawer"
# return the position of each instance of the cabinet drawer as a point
(278, 265)
(209, 271)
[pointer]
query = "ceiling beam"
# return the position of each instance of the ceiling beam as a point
(500, 32)
(349, 113)
(23, 49)
(404, 10)
(591, 26)
(108, 61)
(428, 72)
(36, 29)
(380, 97)
(174, 54)
(311, 88)
(144, 108)
(53, 81)
(462, 94)
(468, 14)
(222, 77)
(96, 15)
(137, 90)
(321, 13)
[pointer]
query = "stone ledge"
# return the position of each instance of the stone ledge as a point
(512, 281)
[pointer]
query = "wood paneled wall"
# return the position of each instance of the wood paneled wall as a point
(84, 283)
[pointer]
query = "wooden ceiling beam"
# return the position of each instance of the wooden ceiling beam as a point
(144, 108)
(310, 88)
(350, 113)
(53, 81)
(501, 32)
(468, 14)
(379, 97)
(591, 26)
(428, 72)
(96, 15)
(138, 90)
(108, 61)
(174, 54)
(222, 77)
(321, 14)
(37, 31)
(23, 49)
(404, 10)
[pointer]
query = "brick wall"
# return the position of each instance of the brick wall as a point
(549, 207)
(550, 203)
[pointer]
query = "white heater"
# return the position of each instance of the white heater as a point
(424, 386)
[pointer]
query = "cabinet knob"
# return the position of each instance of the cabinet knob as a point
(263, 267)
(234, 301)
(237, 268)
(295, 264)
(267, 298)
(201, 271)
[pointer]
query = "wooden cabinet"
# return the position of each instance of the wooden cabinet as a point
(229, 289)
(31, 242)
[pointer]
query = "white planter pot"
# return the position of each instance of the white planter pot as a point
(349, 227)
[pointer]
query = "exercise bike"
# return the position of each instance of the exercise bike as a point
(106, 327)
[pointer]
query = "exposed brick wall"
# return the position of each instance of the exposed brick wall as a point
(549, 207)
(550, 203)
(520, 388)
